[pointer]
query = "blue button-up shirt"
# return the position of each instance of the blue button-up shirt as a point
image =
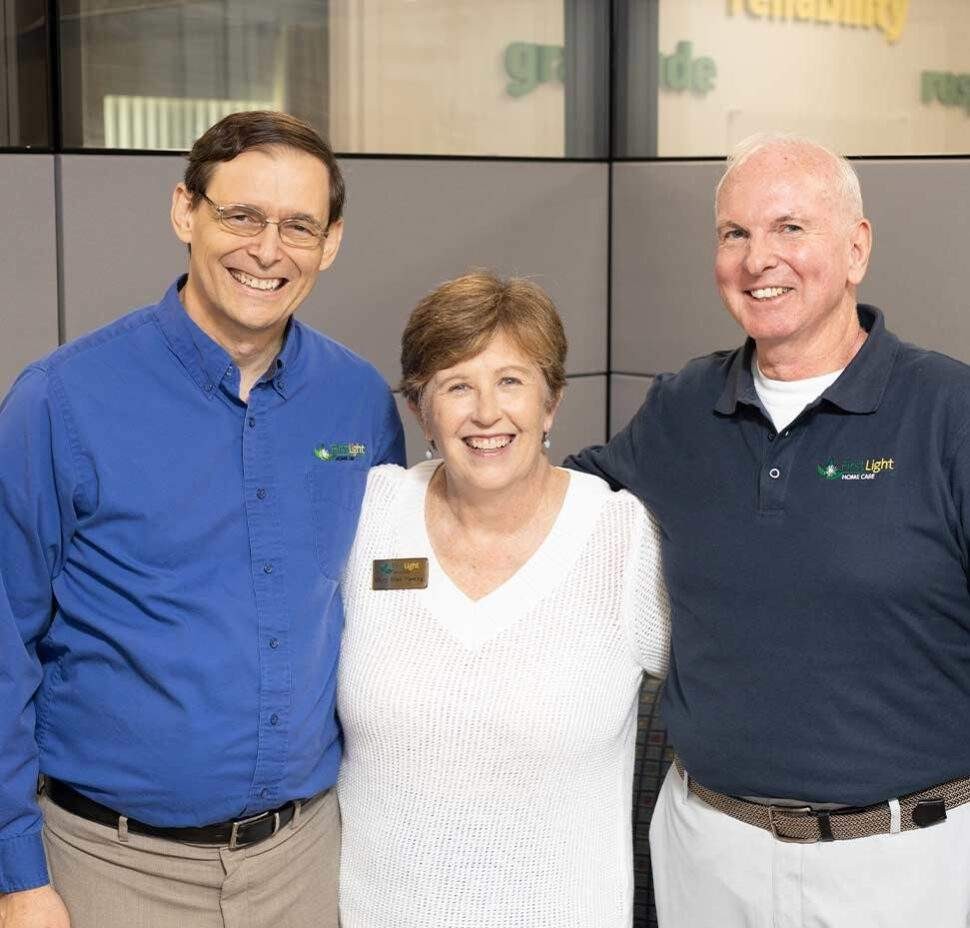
(169, 559)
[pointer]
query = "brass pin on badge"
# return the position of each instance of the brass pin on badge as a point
(400, 573)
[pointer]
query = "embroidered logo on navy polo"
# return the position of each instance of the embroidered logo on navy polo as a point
(855, 469)
(340, 451)
(830, 471)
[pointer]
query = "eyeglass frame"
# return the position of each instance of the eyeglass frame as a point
(220, 211)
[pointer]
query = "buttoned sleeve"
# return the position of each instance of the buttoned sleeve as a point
(37, 480)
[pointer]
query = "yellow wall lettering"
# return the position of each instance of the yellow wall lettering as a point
(829, 10)
(892, 18)
(888, 16)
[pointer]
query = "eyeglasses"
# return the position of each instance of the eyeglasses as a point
(249, 221)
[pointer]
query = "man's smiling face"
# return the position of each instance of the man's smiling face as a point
(789, 253)
(242, 289)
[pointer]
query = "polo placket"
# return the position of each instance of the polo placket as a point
(778, 461)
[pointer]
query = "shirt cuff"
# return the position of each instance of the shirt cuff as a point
(22, 863)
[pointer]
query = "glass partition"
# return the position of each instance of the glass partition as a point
(869, 77)
(143, 74)
(519, 78)
(522, 78)
(24, 75)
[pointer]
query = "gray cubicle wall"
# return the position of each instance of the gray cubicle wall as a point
(410, 223)
(665, 308)
(28, 262)
(414, 222)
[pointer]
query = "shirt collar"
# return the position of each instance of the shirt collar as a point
(206, 361)
(860, 387)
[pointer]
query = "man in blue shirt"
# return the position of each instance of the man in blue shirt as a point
(813, 491)
(178, 494)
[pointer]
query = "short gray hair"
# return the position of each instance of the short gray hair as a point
(846, 179)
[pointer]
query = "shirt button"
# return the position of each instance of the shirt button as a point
(787, 433)
(774, 473)
(252, 422)
(274, 719)
(274, 643)
(267, 568)
(261, 493)
(264, 793)
(771, 436)
(208, 388)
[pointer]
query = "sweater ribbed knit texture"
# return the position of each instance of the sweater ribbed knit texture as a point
(488, 762)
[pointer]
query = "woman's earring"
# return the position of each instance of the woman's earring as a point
(432, 449)
(545, 440)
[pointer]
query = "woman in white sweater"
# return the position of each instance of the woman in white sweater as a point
(500, 612)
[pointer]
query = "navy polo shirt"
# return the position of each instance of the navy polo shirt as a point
(817, 576)
(170, 615)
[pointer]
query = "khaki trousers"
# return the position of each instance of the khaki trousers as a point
(287, 881)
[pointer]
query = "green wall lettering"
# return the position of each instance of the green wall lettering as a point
(529, 65)
(946, 88)
(680, 71)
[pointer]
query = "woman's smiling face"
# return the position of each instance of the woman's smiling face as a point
(487, 415)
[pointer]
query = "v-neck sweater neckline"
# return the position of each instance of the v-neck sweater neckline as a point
(476, 621)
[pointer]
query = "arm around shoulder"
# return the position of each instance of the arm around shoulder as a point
(620, 460)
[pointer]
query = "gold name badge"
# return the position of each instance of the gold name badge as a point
(401, 573)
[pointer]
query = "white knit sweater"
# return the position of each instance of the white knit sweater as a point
(488, 765)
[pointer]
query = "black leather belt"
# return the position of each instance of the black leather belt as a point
(236, 834)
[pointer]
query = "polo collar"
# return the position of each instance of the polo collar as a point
(858, 389)
(206, 361)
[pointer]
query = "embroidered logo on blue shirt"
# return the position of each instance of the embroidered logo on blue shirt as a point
(850, 469)
(340, 451)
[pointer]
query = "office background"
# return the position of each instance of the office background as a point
(573, 141)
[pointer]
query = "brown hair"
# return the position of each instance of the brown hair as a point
(458, 319)
(239, 132)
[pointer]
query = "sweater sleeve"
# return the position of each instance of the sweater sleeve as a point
(646, 607)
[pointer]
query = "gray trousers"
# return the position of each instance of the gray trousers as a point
(287, 881)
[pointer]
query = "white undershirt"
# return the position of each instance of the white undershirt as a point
(784, 400)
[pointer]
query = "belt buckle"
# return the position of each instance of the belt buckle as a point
(242, 822)
(792, 810)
